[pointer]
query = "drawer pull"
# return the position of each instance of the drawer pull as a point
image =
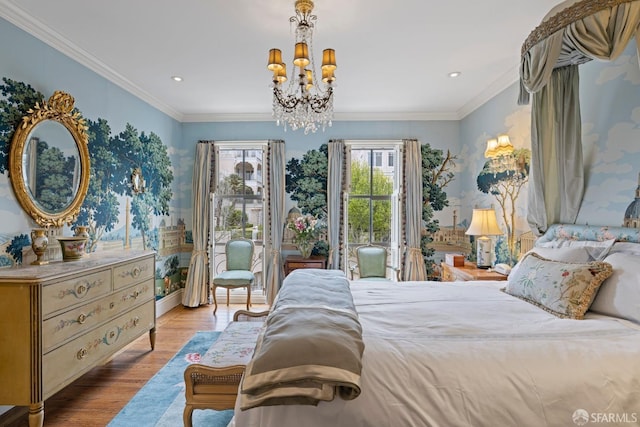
(136, 321)
(82, 318)
(81, 289)
(136, 272)
(135, 294)
(112, 335)
(82, 353)
(111, 305)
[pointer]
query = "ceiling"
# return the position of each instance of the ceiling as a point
(393, 56)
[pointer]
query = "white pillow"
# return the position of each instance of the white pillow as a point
(567, 254)
(619, 295)
(625, 247)
(598, 250)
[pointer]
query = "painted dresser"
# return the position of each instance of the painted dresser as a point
(58, 321)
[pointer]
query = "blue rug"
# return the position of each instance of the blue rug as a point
(160, 402)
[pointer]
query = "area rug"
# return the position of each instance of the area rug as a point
(160, 403)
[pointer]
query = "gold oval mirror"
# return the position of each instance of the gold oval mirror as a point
(49, 161)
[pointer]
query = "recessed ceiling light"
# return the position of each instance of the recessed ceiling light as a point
(176, 78)
(454, 74)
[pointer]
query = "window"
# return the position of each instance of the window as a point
(390, 160)
(237, 208)
(371, 206)
(378, 155)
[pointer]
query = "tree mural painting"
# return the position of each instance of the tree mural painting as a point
(100, 208)
(306, 181)
(112, 161)
(505, 187)
(148, 153)
(18, 99)
(15, 247)
(437, 173)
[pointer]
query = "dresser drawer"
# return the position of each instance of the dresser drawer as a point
(64, 364)
(133, 272)
(58, 329)
(74, 291)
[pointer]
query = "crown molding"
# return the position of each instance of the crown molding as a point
(338, 117)
(511, 76)
(31, 25)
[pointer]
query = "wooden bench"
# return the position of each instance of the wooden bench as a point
(213, 383)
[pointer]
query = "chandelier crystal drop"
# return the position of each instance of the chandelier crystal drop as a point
(307, 101)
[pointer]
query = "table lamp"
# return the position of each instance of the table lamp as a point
(484, 223)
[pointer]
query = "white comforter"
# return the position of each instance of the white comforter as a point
(466, 354)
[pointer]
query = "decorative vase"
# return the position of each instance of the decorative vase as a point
(81, 231)
(305, 247)
(39, 243)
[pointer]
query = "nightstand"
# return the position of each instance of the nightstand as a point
(468, 272)
(294, 262)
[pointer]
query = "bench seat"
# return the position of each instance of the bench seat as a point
(213, 383)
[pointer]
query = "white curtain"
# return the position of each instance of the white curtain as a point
(196, 290)
(275, 217)
(572, 33)
(414, 268)
(335, 181)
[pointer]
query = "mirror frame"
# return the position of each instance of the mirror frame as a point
(59, 108)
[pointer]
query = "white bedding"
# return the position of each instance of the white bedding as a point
(466, 354)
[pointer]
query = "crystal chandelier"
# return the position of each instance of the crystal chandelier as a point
(306, 102)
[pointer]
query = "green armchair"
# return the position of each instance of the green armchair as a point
(239, 253)
(371, 263)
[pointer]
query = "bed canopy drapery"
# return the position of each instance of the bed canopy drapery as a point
(572, 33)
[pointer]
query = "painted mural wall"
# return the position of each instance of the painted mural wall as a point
(610, 105)
(120, 126)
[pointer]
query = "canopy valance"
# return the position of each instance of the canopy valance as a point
(572, 33)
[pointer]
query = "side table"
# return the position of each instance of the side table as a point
(468, 272)
(294, 262)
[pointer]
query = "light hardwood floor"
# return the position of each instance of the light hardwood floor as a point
(95, 398)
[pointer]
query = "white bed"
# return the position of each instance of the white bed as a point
(468, 354)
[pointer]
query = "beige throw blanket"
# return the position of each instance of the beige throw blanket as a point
(311, 348)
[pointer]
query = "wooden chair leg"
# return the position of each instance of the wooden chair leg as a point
(215, 302)
(248, 297)
(227, 297)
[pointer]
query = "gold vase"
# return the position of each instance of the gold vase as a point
(39, 243)
(81, 231)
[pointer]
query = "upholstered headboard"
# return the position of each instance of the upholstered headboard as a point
(589, 232)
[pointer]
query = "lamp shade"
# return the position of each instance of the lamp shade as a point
(275, 60)
(301, 56)
(329, 59)
(484, 223)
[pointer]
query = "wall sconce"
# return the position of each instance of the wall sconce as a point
(138, 183)
(500, 153)
(484, 223)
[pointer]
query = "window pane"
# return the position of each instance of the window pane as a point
(360, 172)
(359, 222)
(382, 221)
(382, 183)
(390, 161)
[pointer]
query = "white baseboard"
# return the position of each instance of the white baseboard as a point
(165, 304)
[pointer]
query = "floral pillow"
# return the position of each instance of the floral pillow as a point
(563, 289)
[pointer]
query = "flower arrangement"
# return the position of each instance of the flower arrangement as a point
(306, 229)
